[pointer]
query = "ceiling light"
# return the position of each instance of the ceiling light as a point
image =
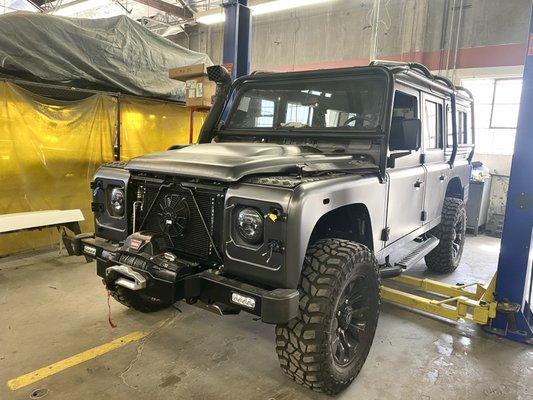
(79, 6)
(282, 5)
(260, 9)
(211, 19)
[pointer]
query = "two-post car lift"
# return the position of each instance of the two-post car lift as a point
(503, 306)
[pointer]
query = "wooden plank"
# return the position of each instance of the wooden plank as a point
(37, 219)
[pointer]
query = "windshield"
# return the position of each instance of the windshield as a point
(347, 103)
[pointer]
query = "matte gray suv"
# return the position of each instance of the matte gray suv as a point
(292, 206)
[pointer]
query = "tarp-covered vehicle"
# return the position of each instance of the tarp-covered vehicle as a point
(115, 54)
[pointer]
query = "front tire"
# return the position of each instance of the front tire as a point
(326, 345)
(451, 232)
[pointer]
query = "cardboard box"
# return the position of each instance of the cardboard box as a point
(199, 92)
(187, 72)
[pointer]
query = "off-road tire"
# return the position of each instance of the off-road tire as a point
(451, 232)
(304, 345)
(137, 301)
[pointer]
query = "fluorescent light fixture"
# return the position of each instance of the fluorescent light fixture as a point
(260, 9)
(80, 6)
(8, 6)
(211, 19)
(282, 5)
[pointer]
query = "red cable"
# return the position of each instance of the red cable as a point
(111, 323)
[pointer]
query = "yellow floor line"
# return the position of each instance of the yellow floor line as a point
(59, 366)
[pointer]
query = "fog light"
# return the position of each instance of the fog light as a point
(245, 301)
(89, 250)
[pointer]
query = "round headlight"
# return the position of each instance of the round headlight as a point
(117, 201)
(250, 225)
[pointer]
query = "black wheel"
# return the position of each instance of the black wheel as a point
(451, 231)
(325, 347)
(136, 300)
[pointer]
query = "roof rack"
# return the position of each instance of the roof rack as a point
(465, 90)
(422, 69)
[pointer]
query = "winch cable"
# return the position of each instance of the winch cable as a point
(204, 224)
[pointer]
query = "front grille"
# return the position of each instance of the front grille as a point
(173, 212)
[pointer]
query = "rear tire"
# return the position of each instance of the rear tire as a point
(137, 301)
(326, 345)
(451, 231)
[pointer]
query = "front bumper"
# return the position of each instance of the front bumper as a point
(171, 281)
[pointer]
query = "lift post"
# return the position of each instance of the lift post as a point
(237, 37)
(514, 285)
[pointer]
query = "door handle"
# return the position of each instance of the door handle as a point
(442, 178)
(418, 183)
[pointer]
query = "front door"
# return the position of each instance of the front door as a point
(407, 176)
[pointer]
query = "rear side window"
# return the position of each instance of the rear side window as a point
(432, 125)
(464, 128)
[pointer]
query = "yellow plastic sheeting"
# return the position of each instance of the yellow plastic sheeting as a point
(147, 126)
(198, 120)
(49, 151)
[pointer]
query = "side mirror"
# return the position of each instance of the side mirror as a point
(405, 134)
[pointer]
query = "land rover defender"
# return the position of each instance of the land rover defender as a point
(291, 207)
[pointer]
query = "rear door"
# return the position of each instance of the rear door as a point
(437, 169)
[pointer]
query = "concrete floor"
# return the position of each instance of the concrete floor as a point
(54, 307)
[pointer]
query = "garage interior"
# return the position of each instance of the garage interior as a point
(63, 337)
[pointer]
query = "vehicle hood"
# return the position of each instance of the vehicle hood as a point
(230, 162)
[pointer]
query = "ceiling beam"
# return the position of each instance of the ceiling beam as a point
(168, 8)
(39, 2)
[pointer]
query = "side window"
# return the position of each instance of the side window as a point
(462, 128)
(405, 108)
(449, 140)
(432, 125)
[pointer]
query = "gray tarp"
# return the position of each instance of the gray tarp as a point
(113, 53)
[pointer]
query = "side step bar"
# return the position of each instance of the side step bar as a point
(410, 259)
(418, 253)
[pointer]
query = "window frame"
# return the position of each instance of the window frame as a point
(493, 103)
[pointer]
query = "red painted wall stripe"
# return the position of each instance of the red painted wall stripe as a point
(472, 57)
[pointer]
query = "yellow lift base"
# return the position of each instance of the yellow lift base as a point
(455, 301)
